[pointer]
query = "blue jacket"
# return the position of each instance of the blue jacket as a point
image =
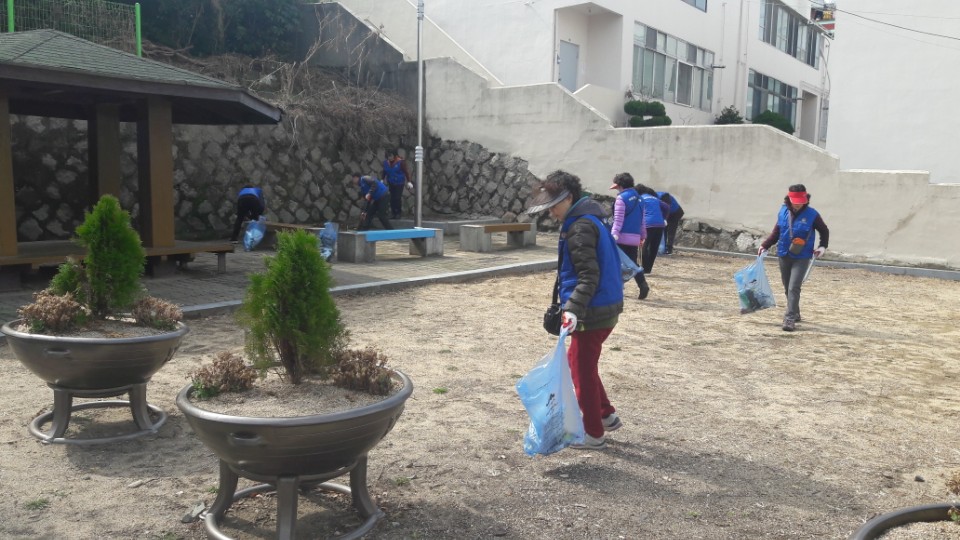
(652, 215)
(252, 192)
(369, 184)
(590, 282)
(802, 228)
(633, 211)
(674, 203)
(394, 174)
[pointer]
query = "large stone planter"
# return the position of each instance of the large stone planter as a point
(880, 525)
(94, 368)
(284, 453)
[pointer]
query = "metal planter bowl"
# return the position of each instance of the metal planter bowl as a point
(300, 445)
(79, 363)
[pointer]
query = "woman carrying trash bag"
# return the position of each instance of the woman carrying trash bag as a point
(795, 233)
(591, 293)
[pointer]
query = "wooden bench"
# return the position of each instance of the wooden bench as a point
(273, 227)
(360, 246)
(478, 237)
(47, 252)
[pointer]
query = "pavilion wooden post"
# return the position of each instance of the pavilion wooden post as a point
(155, 167)
(8, 214)
(105, 151)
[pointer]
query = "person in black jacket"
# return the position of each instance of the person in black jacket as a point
(250, 205)
(591, 293)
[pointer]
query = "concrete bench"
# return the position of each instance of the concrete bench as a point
(360, 246)
(478, 237)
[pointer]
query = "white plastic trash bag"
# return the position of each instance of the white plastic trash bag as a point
(548, 395)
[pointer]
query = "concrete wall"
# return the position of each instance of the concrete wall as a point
(896, 88)
(731, 176)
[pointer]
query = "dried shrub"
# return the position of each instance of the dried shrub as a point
(953, 483)
(228, 373)
(363, 370)
(51, 312)
(156, 313)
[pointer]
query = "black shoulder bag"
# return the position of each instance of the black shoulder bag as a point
(553, 317)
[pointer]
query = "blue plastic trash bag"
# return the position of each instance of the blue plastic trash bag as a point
(254, 233)
(328, 240)
(753, 287)
(628, 268)
(663, 244)
(548, 395)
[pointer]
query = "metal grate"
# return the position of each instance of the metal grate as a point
(106, 23)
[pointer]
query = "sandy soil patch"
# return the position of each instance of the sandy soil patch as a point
(734, 428)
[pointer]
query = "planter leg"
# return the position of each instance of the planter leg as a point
(287, 506)
(62, 407)
(358, 489)
(138, 407)
(228, 485)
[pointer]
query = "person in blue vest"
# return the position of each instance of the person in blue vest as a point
(628, 228)
(590, 291)
(795, 233)
(673, 220)
(250, 205)
(653, 221)
(374, 195)
(397, 177)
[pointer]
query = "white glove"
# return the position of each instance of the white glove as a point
(817, 253)
(410, 186)
(761, 251)
(569, 322)
(616, 237)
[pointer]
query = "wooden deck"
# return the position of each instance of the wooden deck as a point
(34, 254)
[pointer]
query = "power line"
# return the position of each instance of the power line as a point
(934, 34)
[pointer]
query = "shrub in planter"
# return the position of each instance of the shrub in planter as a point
(106, 284)
(773, 119)
(292, 319)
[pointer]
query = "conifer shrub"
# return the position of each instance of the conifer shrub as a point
(106, 283)
(646, 113)
(729, 115)
(291, 317)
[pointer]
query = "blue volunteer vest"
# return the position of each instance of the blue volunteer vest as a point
(802, 228)
(610, 287)
(378, 191)
(251, 192)
(652, 216)
(394, 172)
(674, 203)
(633, 212)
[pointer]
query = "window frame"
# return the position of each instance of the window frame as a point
(658, 72)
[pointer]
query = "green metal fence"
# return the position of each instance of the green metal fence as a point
(106, 23)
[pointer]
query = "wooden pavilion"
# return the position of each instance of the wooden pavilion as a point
(53, 74)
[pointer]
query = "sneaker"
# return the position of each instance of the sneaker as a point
(612, 422)
(644, 290)
(789, 325)
(590, 443)
(798, 319)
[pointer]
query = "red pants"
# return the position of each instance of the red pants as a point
(584, 357)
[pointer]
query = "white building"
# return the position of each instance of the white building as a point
(894, 85)
(695, 56)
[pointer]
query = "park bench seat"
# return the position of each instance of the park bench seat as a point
(479, 237)
(361, 246)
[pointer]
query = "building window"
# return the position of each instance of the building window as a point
(768, 94)
(789, 32)
(670, 69)
(699, 4)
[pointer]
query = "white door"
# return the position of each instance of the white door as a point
(568, 59)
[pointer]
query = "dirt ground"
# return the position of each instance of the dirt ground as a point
(734, 428)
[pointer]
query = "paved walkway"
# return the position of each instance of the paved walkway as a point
(200, 290)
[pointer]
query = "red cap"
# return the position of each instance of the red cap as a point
(614, 185)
